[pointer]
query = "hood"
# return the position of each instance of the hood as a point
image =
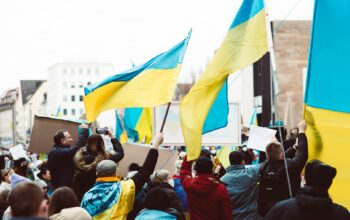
(314, 200)
(72, 213)
(203, 184)
(80, 159)
(154, 214)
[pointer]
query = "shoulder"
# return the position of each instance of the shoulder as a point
(341, 211)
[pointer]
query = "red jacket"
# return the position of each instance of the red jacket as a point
(207, 198)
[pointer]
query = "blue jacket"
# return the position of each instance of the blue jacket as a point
(180, 192)
(154, 214)
(242, 186)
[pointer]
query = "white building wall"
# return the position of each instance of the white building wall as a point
(6, 124)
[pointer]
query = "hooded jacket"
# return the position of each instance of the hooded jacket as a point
(71, 214)
(310, 203)
(207, 198)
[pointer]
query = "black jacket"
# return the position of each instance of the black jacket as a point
(60, 161)
(86, 162)
(295, 166)
(310, 204)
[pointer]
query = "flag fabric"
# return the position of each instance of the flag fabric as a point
(58, 113)
(327, 103)
(138, 124)
(148, 85)
(120, 132)
(245, 43)
(254, 119)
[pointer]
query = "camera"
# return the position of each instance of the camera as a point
(102, 131)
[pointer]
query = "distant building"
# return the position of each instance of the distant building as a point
(65, 86)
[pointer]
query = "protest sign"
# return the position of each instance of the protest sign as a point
(260, 137)
(18, 152)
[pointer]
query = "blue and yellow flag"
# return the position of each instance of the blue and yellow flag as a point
(120, 132)
(59, 112)
(138, 124)
(147, 85)
(327, 102)
(245, 43)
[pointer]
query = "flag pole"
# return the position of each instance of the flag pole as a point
(165, 117)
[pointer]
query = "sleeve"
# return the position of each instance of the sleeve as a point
(274, 213)
(146, 170)
(290, 153)
(186, 173)
(225, 206)
(82, 140)
(302, 153)
(118, 148)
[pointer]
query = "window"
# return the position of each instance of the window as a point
(88, 71)
(72, 85)
(73, 111)
(72, 98)
(64, 98)
(64, 84)
(81, 98)
(65, 111)
(88, 83)
(81, 84)
(81, 111)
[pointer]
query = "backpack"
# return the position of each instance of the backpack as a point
(272, 186)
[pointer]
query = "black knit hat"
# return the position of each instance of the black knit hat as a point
(157, 199)
(318, 174)
(204, 165)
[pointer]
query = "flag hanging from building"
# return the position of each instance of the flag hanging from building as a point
(245, 43)
(59, 112)
(147, 85)
(138, 124)
(327, 102)
(120, 132)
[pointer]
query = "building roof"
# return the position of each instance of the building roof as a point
(28, 88)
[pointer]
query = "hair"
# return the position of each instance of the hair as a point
(96, 138)
(4, 173)
(134, 167)
(236, 157)
(157, 199)
(42, 172)
(25, 199)
(59, 136)
(62, 198)
(159, 176)
(273, 151)
(4, 196)
(204, 165)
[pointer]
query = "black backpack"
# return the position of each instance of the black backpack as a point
(272, 186)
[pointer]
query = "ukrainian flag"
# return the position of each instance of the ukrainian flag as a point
(147, 85)
(138, 124)
(120, 133)
(59, 112)
(245, 43)
(327, 102)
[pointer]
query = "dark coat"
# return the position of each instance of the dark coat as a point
(295, 167)
(308, 204)
(86, 162)
(60, 161)
(207, 198)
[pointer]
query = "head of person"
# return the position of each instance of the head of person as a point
(62, 198)
(63, 138)
(106, 168)
(20, 166)
(134, 167)
(95, 144)
(319, 174)
(6, 175)
(212, 150)
(204, 165)
(157, 199)
(274, 151)
(44, 174)
(205, 153)
(236, 158)
(27, 200)
(160, 176)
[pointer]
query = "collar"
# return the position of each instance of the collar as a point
(235, 167)
(108, 179)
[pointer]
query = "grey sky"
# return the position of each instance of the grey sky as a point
(36, 34)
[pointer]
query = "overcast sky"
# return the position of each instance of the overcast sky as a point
(35, 34)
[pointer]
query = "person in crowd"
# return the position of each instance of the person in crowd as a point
(4, 203)
(45, 176)
(212, 151)
(133, 169)
(60, 158)
(273, 184)
(87, 158)
(19, 175)
(178, 188)
(242, 185)
(64, 204)
(27, 201)
(158, 206)
(6, 179)
(313, 200)
(207, 198)
(103, 199)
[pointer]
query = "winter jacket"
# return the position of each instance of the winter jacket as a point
(60, 161)
(71, 214)
(310, 203)
(295, 167)
(207, 198)
(86, 162)
(148, 214)
(16, 179)
(242, 186)
(180, 192)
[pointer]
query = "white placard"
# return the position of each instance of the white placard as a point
(18, 152)
(260, 137)
(229, 135)
(108, 143)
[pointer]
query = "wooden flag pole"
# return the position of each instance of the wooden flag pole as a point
(165, 117)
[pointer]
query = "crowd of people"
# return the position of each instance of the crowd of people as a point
(81, 182)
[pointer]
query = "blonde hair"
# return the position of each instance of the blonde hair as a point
(274, 151)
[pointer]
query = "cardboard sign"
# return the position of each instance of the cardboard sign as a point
(260, 137)
(44, 129)
(137, 153)
(18, 152)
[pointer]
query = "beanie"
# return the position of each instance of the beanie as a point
(204, 165)
(318, 174)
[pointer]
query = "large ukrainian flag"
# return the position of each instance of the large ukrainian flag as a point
(327, 100)
(120, 132)
(147, 85)
(245, 43)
